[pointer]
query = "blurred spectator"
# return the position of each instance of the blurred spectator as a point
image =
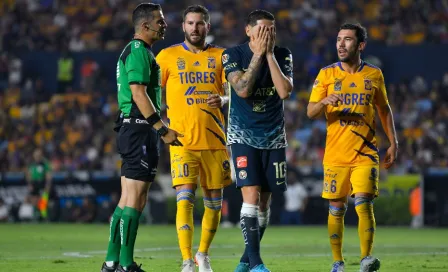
(65, 72)
(89, 74)
(27, 211)
(296, 199)
(86, 212)
(4, 211)
(67, 211)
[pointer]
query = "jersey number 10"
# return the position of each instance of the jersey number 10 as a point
(280, 169)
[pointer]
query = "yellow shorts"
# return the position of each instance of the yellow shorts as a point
(340, 181)
(211, 166)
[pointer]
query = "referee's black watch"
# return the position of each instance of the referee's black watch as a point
(162, 131)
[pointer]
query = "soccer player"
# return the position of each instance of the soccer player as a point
(348, 92)
(139, 99)
(260, 74)
(195, 92)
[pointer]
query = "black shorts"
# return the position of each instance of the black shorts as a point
(259, 167)
(37, 188)
(138, 146)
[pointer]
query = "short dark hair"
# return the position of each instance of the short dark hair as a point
(360, 31)
(259, 14)
(197, 9)
(144, 11)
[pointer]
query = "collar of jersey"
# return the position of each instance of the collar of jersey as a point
(185, 46)
(359, 69)
(144, 43)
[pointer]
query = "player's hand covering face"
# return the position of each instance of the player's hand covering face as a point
(195, 28)
(259, 39)
(271, 40)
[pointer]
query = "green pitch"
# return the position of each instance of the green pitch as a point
(72, 248)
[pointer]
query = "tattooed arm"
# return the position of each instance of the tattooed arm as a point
(242, 82)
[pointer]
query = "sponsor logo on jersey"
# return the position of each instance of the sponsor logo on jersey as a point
(211, 62)
(241, 162)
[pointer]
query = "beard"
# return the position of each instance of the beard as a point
(350, 57)
(198, 42)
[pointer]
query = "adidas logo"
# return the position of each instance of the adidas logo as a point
(196, 63)
(185, 227)
(353, 85)
(334, 236)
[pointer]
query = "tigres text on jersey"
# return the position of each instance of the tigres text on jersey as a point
(189, 78)
(351, 126)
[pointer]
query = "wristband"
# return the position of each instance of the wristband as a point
(154, 118)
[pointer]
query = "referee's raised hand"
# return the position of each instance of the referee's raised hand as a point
(171, 138)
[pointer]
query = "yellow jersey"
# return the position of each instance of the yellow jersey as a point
(189, 78)
(351, 125)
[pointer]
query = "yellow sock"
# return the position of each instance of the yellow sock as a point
(336, 231)
(210, 222)
(366, 225)
(184, 222)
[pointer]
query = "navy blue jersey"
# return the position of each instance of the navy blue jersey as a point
(258, 120)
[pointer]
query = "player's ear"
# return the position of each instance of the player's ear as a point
(208, 27)
(183, 27)
(248, 29)
(362, 46)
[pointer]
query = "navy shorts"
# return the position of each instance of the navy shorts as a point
(139, 150)
(259, 167)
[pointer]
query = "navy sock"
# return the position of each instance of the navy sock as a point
(251, 233)
(263, 220)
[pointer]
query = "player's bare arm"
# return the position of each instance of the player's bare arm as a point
(387, 121)
(218, 101)
(242, 82)
(147, 109)
(315, 109)
(282, 83)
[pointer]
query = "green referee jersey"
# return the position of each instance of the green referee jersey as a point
(39, 170)
(137, 65)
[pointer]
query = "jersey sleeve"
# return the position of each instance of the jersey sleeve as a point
(319, 90)
(231, 62)
(138, 65)
(285, 62)
(163, 62)
(381, 96)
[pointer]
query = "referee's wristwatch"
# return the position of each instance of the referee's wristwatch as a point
(162, 131)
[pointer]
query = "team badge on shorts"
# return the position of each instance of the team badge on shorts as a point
(226, 165)
(242, 174)
(367, 84)
(337, 85)
(180, 63)
(211, 62)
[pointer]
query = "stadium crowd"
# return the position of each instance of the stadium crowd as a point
(74, 126)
